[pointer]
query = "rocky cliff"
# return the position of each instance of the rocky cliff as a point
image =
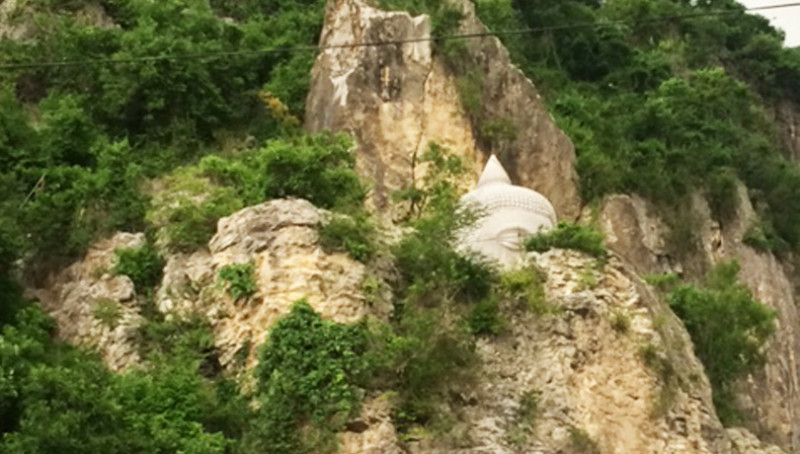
(396, 99)
(787, 116)
(609, 368)
(640, 235)
(280, 238)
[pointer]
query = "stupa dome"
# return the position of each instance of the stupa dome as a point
(509, 214)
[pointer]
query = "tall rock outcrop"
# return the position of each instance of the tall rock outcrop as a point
(637, 232)
(609, 369)
(787, 117)
(395, 99)
(281, 240)
(94, 308)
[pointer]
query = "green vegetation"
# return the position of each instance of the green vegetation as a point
(620, 321)
(240, 281)
(109, 312)
(142, 265)
(319, 168)
(485, 318)
(524, 288)
(660, 107)
(307, 376)
(728, 329)
(762, 237)
(581, 442)
(570, 236)
(525, 417)
(58, 399)
(352, 234)
(169, 146)
(433, 351)
(78, 142)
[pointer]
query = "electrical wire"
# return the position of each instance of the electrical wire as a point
(291, 49)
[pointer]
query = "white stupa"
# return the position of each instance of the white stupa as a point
(508, 215)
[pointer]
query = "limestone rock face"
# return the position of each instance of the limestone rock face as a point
(592, 377)
(372, 432)
(76, 296)
(743, 442)
(586, 376)
(635, 232)
(18, 22)
(280, 238)
(787, 116)
(394, 100)
(771, 397)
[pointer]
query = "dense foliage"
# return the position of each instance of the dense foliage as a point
(170, 145)
(354, 234)
(142, 264)
(569, 236)
(239, 279)
(78, 141)
(58, 399)
(318, 168)
(307, 374)
(728, 328)
(660, 107)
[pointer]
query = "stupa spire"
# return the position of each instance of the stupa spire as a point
(493, 173)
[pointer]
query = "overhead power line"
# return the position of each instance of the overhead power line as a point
(290, 49)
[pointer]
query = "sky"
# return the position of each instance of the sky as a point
(787, 19)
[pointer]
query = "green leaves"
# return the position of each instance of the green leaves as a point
(143, 265)
(729, 329)
(306, 375)
(318, 168)
(54, 398)
(354, 234)
(240, 279)
(570, 236)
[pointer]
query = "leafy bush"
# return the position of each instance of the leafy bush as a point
(432, 271)
(143, 265)
(58, 399)
(108, 312)
(240, 279)
(186, 213)
(188, 336)
(524, 287)
(89, 135)
(424, 360)
(621, 322)
(316, 168)
(429, 350)
(661, 112)
(319, 168)
(582, 442)
(485, 318)
(352, 234)
(729, 329)
(306, 375)
(762, 237)
(570, 236)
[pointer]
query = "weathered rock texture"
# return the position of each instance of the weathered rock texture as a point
(17, 18)
(76, 295)
(588, 375)
(396, 99)
(592, 377)
(638, 234)
(787, 117)
(280, 238)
